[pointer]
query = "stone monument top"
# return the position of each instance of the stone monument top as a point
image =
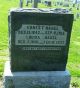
(42, 10)
(39, 39)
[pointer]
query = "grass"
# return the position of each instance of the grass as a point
(74, 51)
(75, 82)
(2, 61)
(4, 9)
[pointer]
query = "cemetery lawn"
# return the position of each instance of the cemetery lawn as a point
(73, 64)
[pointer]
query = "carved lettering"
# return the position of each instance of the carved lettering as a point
(41, 35)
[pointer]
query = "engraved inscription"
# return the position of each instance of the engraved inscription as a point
(40, 35)
(37, 37)
(42, 48)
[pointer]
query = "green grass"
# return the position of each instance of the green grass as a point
(4, 9)
(74, 51)
(75, 82)
(2, 61)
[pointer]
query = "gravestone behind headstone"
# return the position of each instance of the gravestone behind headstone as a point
(78, 7)
(70, 9)
(47, 2)
(27, 2)
(39, 1)
(73, 5)
(66, 5)
(61, 3)
(77, 15)
(39, 39)
(58, 3)
(21, 3)
(34, 3)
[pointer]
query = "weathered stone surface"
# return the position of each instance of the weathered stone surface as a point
(39, 39)
(35, 79)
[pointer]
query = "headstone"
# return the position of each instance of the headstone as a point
(74, 4)
(36, 79)
(70, 9)
(39, 1)
(66, 5)
(78, 7)
(39, 44)
(31, 1)
(39, 39)
(21, 3)
(27, 2)
(75, 18)
(34, 3)
(77, 15)
(58, 3)
(47, 2)
(61, 3)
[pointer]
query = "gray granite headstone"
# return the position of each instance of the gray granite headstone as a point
(39, 39)
(21, 3)
(35, 79)
(77, 15)
(39, 44)
(66, 5)
(78, 7)
(27, 2)
(34, 3)
(47, 2)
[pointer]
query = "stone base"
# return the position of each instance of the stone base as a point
(35, 79)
